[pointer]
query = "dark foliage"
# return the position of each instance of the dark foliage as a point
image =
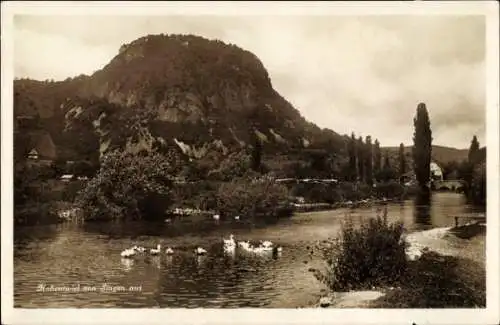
(369, 160)
(402, 159)
(377, 157)
(257, 154)
(252, 198)
(473, 151)
(129, 186)
(352, 158)
(360, 153)
(436, 281)
(370, 255)
(422, 145)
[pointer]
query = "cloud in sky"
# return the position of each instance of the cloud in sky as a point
(348, 73)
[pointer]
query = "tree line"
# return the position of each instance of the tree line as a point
(366, 163)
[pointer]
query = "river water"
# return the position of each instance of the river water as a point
(87, 259)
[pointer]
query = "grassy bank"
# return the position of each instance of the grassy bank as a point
(372, 257)
(436, 281)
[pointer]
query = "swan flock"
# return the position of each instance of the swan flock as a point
(229, 245)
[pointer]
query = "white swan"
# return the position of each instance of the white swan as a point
(200, 251)
(169, 251)
(258, 250)
(129, 252)
(266, 248)
(263, 249)
(229, 243)
(155, 251)
(266, 243)
(139, 249)
(245, 245)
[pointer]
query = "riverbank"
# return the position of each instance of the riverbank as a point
(51, 201)
(437, 281)
(434, 280)
(310, 207)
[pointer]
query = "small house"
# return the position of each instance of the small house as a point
(436, 172)
(33, 154)
(37, 146)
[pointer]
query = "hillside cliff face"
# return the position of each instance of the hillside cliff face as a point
(197, 95)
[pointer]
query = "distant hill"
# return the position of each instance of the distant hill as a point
(203, 97)
(440, 154)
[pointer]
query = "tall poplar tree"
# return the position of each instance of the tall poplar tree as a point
(402, 160)
(377, 157)
(352, 158)
(369, 160)
(422, 145)
(256, 154)
(360, 159)
(473, 150)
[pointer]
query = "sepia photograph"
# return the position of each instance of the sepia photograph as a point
(300, 159)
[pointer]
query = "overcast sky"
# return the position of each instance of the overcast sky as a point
(362, 74)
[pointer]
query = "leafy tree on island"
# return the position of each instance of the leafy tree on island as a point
(422, 146)
(130, 185)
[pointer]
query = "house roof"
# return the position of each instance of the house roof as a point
(37, 142)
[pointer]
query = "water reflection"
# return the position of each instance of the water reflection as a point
(169, 259)
(422, 209)
(200, 260)
(155, 261)
(68, 254)
(127, 264)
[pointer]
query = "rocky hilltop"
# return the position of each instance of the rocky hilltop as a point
(200, 96)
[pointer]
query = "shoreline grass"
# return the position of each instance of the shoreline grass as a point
(437, 281)
(366, 259)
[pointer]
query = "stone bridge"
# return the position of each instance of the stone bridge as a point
(450, 185)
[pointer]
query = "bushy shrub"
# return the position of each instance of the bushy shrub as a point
(389, 189)
(317, 192)
(32, 214)
(199, 195)
(129, 185)
(370, 255)
(236, 165)
(252, 197)
(477, 192)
